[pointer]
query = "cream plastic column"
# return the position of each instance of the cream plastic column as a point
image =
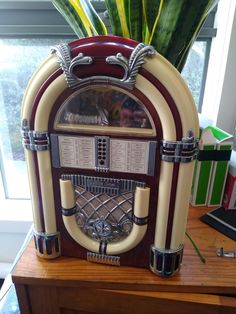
(179, 91)
(39, 77)
(44, 162)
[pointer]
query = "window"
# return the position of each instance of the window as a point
(195, 69)
(30, 30)
(196, 66)
(15, 72)
(27, 31)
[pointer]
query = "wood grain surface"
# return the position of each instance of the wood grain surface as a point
(216, 276)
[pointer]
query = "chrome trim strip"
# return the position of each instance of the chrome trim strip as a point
(140, 221)
(183, 151)
(103, 184)
(34, 140)
(69, 211)
(103, 259)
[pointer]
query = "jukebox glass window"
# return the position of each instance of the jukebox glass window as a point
(103, 106)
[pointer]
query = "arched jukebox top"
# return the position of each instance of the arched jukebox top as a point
(110, 135)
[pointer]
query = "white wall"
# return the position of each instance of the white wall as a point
(227, 109)
(12, 235)
(219, 102)
(13, 230)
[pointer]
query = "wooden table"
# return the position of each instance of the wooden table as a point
(70, 285)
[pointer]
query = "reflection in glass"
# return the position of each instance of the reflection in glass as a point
(104, 106)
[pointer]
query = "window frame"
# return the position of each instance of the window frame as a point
(220, 93)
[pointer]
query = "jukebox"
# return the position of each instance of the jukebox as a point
(110, 136)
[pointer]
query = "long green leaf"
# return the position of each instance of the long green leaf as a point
(150, 12)
(135, 19)
(113, 17)
(181, 61)
(202, 258)
(70, 15)
(170, 14)
(83, 16)
(98, 25)
(117, 16)
(120, 4)
(177, 27)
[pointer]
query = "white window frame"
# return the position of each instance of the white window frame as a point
(219, 103)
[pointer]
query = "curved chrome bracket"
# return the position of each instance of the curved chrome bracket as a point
(79, 60)
(131, 66)
(34, 140)
(180, 151)
(67, 64)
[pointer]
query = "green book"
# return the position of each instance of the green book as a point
(211, 167)
(203, 169)
(224, 143)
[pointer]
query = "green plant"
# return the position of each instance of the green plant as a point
(196, 248)
(171, 26)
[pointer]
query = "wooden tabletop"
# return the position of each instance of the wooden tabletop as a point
(217, 275)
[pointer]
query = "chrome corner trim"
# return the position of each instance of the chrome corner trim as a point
(63, 53)
(165, 263)
(34, 140)
(131, 66)
(183, 151)
(103, 259)
(47, 246)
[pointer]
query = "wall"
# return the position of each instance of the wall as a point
(219, 103)
(12, 236)
(227, 109)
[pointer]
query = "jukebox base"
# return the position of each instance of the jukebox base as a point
(47, 245)
(166, 263)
